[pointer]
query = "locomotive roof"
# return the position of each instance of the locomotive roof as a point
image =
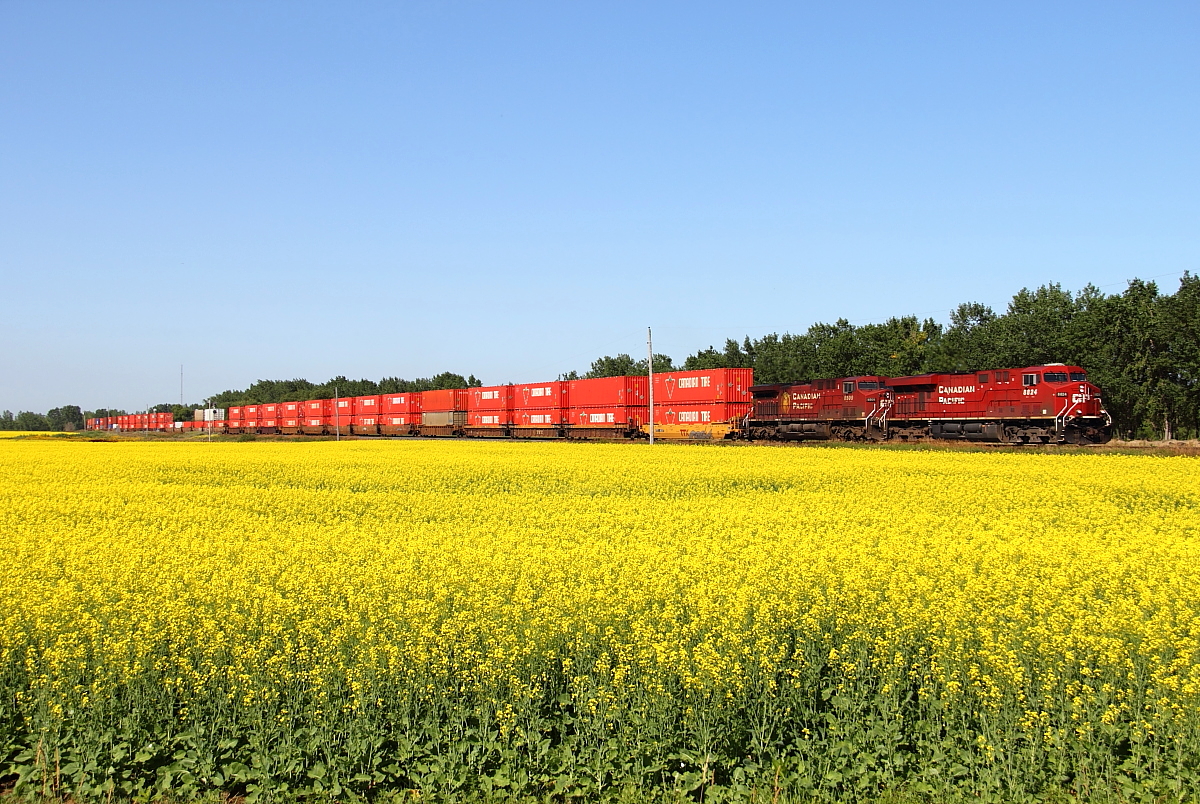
(776, 385)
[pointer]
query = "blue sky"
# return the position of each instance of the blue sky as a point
(277, 190)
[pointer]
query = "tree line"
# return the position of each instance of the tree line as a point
(66, 418)
(267, 391)
(1141, 346)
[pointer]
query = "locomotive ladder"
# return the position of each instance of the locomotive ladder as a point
(1060, 420)
(880, 412)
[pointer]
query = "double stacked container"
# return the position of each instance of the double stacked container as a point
(317, 417)
(235, 419)
(342, 417)
(701, 404)
(400, 414)
(540, 410)
(609, 407)
(367, 417)
(251, 415)
(268, 418)
(489, 411)
(444, 412)
(291, 416)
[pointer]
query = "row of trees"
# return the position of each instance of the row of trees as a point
(266, 391)
(66, 418)
(1142, 347)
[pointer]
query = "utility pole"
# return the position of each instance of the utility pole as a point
(337, 417)
(650, 377)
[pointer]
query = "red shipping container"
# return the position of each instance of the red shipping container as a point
(318, 407)
(608, 392)
(700, 413)
(450, 400)
(341, 410)
(622, 416)
(272, 410)
(367, 406)
(291, 422)
(251, 412)
(541, 417)
(271, 423)
(492, 397)
(541, 395)
(291, 409)
(489, 418)
(366, 421)
(401, 403)
(235, 413)
(400, 419)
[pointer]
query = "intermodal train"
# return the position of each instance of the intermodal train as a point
(1048, 404)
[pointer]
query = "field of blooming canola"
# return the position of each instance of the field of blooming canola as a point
(484, 619)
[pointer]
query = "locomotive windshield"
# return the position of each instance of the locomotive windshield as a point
(868, 386)
(1055, 376)
(1078, 376)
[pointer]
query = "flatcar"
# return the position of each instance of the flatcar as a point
(1048, 404)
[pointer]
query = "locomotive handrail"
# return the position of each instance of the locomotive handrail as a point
(882, 407)
(1060, 420)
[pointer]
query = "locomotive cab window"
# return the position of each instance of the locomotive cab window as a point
(983, 378)
(1030, 379)
(847, 388)
(868, 386)
(1055, 376)
(1078, 376)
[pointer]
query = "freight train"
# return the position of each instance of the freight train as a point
(1047, 404)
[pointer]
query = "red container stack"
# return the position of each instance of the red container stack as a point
(616, 404)
(342, 410)
(539, 409)
(290, 415)
(317, 416)
(700, 404)
(490, 408)
(444, 412)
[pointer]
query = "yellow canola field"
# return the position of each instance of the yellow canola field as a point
(942, 621)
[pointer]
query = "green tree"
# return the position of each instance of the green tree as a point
(732, 357)
(448, 380)
(969, 343)
(620, 366)
(27, 420)
(1181, 334)
(625, 366)
(1036, 329)
(66, 418)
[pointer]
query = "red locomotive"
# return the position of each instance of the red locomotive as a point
(1050, 404)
